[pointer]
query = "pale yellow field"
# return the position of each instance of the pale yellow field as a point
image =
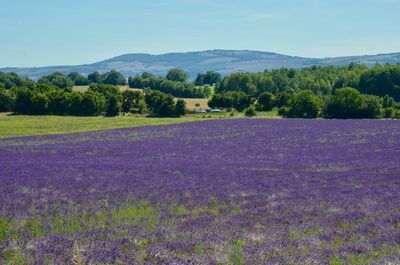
(191, 103)
(83, 89)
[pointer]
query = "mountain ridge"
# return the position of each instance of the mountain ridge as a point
(194, 62)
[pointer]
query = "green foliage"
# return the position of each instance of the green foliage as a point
(7, 101)
(92, 104)
(371, 107)
(198, 249)
(237, 256)
(381, 81)
(10, 80)
(209, 78)
(237, 100)
(106, 90)
(304, 104)
(175, 88)
(179, 210)
(176, 74)
(4, 229)
(266, 101)
(243, 82)
(143, 213)
(114, 78)
(57, 79)
(167, 106)
(388, 102)
(39, 103)
(52, 94)
(336, 261)
(142, 243)
(78, 79)
(389, 113)
(348, 103)
(96, 78)
(282, 98)
(23, 101)
(142, 107)
(35, 227)
(160, 103)
(180, 107)
(250, 112)
(113, 106)
(132, 101)
(59, 103)
(76, 103)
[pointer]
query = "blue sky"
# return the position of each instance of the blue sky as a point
(61, 32)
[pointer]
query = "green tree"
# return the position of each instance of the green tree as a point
(57, 79)
(113, 106)
(92, 103)
(266, 101)
(6, 100)
(106, 90)
(114, 78)
(176, 74)
(59, 102)
(167, 106)
(39, 104)
(78, 79)
(236, 99)
(23, 101)
(131, 99)
(75, 106)
(371, 107)
(10, 80)
(282, 98)
(180, 107)
(160, 103)
(303, 104)
(135, 82)
(345, 104)
(209, 78)
(96, 78)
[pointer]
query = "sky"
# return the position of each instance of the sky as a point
(71, 32)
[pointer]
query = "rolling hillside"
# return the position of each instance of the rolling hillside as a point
(222, 61)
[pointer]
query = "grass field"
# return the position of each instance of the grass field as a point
(24, 125)
(191, 103)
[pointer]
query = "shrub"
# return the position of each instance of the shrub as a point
(304, 104)
(6, 101)
(388, 113)
(266, 101)
(349, 103)
(180, 107)
(113, 106)
(250, 112)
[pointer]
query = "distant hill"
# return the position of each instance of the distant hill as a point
(222, 61)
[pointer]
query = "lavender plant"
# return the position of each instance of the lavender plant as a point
(243, 191)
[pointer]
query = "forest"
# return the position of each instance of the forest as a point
(347, 92)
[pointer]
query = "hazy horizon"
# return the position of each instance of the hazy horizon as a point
(74, 32)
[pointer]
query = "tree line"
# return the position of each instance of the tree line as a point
(354, 91)
(176, 83)
(99, 99)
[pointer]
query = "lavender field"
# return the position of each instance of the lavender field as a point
(243, 191)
